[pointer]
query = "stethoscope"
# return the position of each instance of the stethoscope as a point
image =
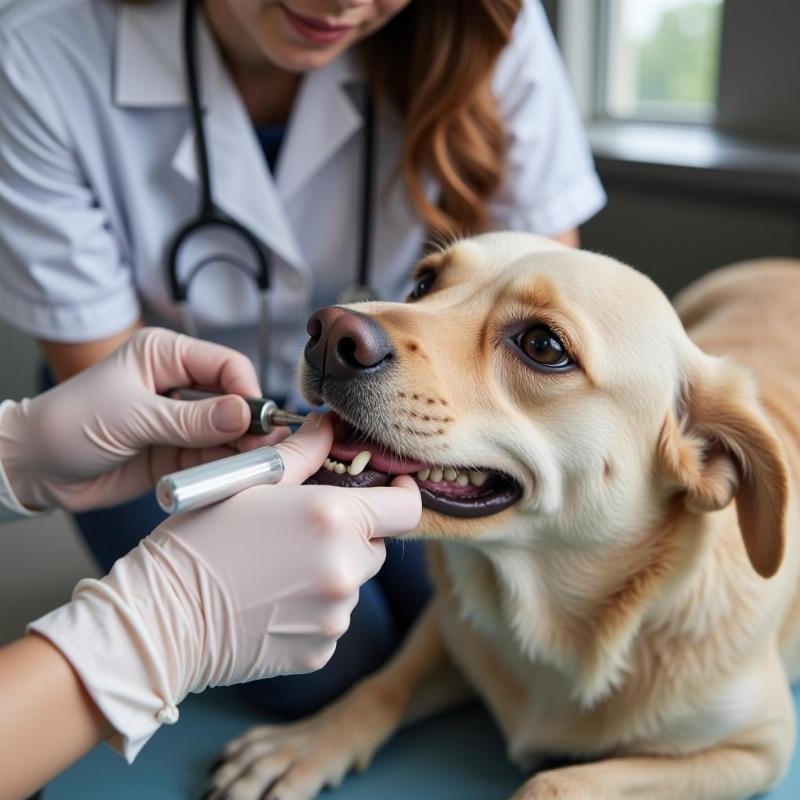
(210, 216)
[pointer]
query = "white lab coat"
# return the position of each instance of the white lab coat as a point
(97, 171)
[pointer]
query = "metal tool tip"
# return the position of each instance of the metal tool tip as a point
(281, 417)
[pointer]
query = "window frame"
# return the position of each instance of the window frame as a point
(588, 62)
(743, 109)
(741, 150)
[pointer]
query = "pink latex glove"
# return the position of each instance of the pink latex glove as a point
(260, 585)
(106, 435)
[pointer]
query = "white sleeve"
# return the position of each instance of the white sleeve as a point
(61, 275)
(550, 184)
(10, 507)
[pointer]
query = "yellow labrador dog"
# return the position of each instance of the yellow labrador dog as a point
(613, 513)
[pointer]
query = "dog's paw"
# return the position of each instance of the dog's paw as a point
(284, 762)
(557, 784)
(297, 761)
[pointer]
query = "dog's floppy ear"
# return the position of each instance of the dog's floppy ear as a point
(717, 446)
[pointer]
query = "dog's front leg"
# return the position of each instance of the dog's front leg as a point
(745, 763)
(733, 772)
(296, 761)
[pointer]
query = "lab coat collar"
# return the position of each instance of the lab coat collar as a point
(150, 73)
(148, 56)
(326, 114)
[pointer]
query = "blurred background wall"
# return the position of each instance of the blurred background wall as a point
(693, 114)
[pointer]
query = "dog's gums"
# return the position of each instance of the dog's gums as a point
(452, 490)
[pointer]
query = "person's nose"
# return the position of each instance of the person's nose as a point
(346, 344)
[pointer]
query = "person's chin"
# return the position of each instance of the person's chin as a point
(301, 59)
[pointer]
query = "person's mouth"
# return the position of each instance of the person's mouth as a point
(456, 490)
(314, 30)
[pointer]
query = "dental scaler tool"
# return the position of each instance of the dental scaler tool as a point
(205, 484)
(265, 414)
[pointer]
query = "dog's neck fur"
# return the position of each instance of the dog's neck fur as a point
(580, 612)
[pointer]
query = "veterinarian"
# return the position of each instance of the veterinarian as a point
(213, 597)
(227, 167)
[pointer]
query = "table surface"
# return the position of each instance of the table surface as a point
(459, 755)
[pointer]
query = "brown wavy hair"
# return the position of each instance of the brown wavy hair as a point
(434, 63)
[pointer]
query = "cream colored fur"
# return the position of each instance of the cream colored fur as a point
(638, 608)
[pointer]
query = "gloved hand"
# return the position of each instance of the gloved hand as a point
(260, 585)
(106, 435)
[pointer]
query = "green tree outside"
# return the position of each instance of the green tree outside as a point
(679, 60)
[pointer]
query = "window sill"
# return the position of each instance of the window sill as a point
(697, 157)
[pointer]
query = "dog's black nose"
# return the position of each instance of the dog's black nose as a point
(345, 344)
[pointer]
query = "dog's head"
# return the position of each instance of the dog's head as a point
(545, 395)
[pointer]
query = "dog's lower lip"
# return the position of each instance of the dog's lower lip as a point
(498, 492)
(503, 495)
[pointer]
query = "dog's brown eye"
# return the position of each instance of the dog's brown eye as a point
(541, 345)
(424, 284)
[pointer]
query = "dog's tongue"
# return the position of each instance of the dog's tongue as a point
(348, 443)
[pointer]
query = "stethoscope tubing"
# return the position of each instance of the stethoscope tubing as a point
(209, 215)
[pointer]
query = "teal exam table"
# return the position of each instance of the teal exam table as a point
(459, 755)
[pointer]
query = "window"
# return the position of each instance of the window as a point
(659, 59)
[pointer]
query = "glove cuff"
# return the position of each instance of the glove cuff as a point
(120, 641)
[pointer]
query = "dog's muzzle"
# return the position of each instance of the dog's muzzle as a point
(349, 359)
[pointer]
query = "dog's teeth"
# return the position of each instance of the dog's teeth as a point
(450, 474)
(436, 474)
(462, 479)
(423, 474)
(359, 463)
(339, 468)
(478, 478)
(328, 464)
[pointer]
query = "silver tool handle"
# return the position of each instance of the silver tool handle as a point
(209, 483)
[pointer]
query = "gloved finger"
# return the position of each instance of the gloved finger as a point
(376, 552)
(304, 452)
(310, 654)
(404, 481)
(391, 510)
(334, 621)
(164, 460)
(136, 476)
(177, 360)
(116, 486)
(252, 441)
(190, 423)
